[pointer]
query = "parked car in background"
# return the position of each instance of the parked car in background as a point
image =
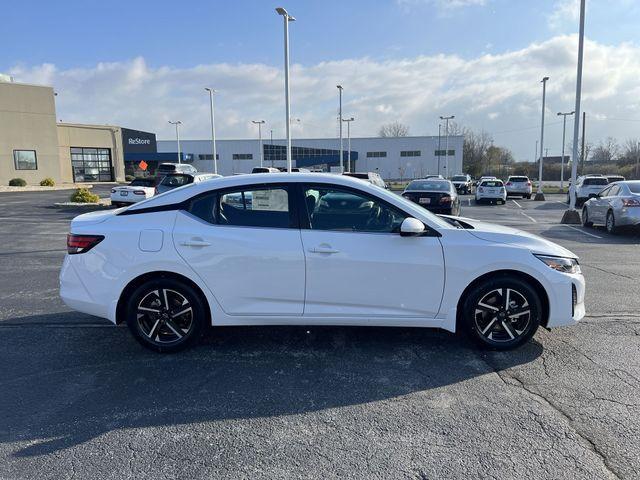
(294, 169)
(491, 190)
(167, 168)
(371, 177)
(617, 205)
(462, 183)
(139, 189)
(265, 170)
(434, 194)
(427, 177)
(175, 180)
(519, 185)
(615, 178)
(311, 250)
(587, 185)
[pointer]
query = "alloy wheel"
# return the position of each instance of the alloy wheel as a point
(164, 316)
(611, 223)
(502, 315)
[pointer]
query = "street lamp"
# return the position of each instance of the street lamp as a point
(446, 144)
(213, 129)
(539, 194)
(260, 123)
(339, 87)
(348, 122)
(439, 147)
(564, 128)
(177, 123)
(287, 18)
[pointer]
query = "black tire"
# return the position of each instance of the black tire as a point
(168, 330)
(585, 218)
(510, 327)
(611, 223)
(528, 196)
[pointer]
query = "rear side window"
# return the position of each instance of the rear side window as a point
(255, 207)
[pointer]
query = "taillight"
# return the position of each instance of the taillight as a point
(630, 202)
(529, 183)
(445, 200)
(138, 192)
(82, 243)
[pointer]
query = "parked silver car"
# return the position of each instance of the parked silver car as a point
(617, 205)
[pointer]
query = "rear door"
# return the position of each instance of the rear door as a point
(357, 263)
(244, 243)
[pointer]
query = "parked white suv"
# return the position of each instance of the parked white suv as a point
(587, 185)
(519, 185)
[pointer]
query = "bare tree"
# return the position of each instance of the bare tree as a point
(394, 129)
(606, 151)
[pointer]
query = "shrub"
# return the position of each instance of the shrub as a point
(129, 178)
(83, 195)
(17, 182)
(48, 182)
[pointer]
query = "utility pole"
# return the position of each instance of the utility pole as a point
(539, 194)
(177, 123)
(348, 122)
(260, 123)
(439, 152)
(287, 18)
(564, 129)
(446, 144)
(213, 129)
(340, 128)
(584, 154)
(572, 216)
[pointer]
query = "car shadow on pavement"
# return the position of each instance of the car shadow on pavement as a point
(577, 233)
(67, 385)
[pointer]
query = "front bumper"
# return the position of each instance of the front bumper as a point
(566, 300)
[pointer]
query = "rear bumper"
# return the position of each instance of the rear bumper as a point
(629, 217)
(75, 294)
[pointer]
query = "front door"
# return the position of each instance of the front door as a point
(245, 245)
(358, 264)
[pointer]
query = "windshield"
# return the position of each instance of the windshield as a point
(176, 180)
(430, 185)
(459, 178)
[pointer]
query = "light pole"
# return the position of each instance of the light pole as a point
(539, 194)
(564, 128)
(348, 122)
(213, 129)
(177, 123)
(439, 147)
(572, 215)
(260, 123)
(287, 18)
(446, 144)
(339, 87)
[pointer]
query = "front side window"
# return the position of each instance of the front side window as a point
(25, 159)
(333, 208)
(255, 207)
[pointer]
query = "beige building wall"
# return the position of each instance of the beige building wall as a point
(28, 122)
(89, 136)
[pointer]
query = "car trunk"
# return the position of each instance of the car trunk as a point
(427, 198)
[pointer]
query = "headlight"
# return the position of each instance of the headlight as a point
(561, 264)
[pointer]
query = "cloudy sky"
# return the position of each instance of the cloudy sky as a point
(139, 64)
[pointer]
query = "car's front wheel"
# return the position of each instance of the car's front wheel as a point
(502, 312)
(165, 315)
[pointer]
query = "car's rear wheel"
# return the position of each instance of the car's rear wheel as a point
(502, 313)
(611, 222)
(165, 315)
(585, 218)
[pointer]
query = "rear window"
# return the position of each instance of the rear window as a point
(433, 186)
(492, 183)
(459, 178)
(634, 187)
(143, 182)
(518, 179)
(176, 180)
(363, 176)
(595, 181)
(166, 167)
(615, 178)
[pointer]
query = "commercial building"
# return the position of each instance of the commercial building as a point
(391, 157)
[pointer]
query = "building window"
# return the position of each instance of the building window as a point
(243, 156)
(25, 159)
(91, 164)
(376, 154)
(440, 153)
(208, 156)
(410, 153)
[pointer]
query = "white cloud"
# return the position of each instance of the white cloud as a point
(563, 12)
(498, 92)
(443, 4)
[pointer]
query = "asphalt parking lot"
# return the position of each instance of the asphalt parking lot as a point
(80, 399)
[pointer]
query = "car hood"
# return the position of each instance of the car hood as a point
(491, 232)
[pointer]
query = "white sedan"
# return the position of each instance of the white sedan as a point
(290, 249)
(139, 189)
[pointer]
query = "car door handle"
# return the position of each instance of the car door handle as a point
(195, 243)
(322, 249)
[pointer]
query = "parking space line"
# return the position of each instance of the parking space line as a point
(530, 218)
(519, 206)
(582, 231)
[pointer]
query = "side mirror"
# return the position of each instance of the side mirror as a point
(594, 195)
(411, 227)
